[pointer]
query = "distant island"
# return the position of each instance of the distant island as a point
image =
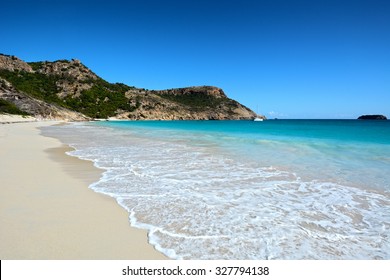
(372, 117)
(67, 89)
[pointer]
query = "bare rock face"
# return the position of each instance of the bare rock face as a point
(73, 69)
(73, 89)
(12, 63)
(75, 77)
(63, 84)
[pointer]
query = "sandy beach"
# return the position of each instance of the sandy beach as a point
(47, 210)
(6, 119)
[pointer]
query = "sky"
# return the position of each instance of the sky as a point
(283, 59)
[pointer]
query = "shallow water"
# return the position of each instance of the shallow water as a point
(247, 190)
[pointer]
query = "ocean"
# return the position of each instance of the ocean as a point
(278, 189)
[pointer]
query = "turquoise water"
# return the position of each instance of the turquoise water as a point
(350, 151)
(377, 132)
(280, 189)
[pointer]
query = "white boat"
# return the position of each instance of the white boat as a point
(257, 119)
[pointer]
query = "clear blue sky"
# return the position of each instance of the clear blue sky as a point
(291, 59)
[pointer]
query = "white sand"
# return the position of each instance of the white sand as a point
(6, 118)
(47, 210)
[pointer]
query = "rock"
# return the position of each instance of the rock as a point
(372, 117)
(12, 63)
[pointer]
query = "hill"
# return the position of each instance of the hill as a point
(67, 89)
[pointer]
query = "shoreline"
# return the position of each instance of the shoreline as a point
(47, 210)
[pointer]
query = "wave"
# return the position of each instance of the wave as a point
(198, 202)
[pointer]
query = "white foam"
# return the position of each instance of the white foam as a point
(199, 203)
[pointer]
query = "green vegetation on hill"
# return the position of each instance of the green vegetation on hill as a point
(197, 101)
(102, 100)
(9, 108)
(37, 85)
(36, 65)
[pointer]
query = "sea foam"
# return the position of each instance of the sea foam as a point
(199, 201)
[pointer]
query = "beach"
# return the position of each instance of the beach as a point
(47, 210)
(202, 190)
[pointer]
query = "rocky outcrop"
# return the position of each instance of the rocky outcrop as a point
(73, 76)
(46, 89)
(65, 68)
(12, 63)
(191, 103)
(372, 117)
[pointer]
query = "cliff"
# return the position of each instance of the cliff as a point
(66, 89)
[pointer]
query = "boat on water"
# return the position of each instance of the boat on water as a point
(257, 119)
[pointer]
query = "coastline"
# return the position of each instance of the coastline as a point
(47, 210)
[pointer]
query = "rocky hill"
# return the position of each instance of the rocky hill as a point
(66, 89)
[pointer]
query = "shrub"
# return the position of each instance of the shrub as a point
(10, 108)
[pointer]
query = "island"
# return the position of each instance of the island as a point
(372, 117)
